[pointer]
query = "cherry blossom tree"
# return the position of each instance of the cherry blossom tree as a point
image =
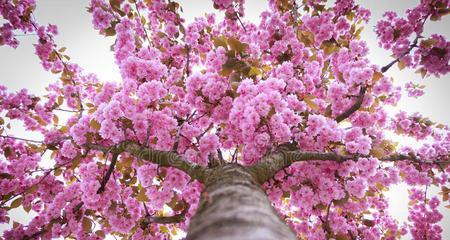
(225, 129)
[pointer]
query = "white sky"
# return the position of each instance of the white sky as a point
(20, 68)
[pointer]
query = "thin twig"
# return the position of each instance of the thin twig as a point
(66, 110)
(145, 30)
(108, 173)
(354, 107)
(239, 19)
(22, 139)
(188, 50)
(411, 47)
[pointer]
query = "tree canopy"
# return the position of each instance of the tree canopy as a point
(293, 99)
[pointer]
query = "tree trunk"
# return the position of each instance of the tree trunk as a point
(233, 206)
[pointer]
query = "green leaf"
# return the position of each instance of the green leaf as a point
(220, 42)
(225, 72)
(94, 124)
(87, 224)
(111, 31)
(342, 201)
(428, 43)
(16, 224)
(164, 229)
(7, 151)
(237, 45)
(51, 147)
(55, 119)
(330, 48)
(58, 171)
(377, 76)
(309, 101)
(230, 63)
(115, 5)
(341, 237)
(444, 11)
(321, 206)
(369, 223)
(141, 196)
(60, 100)
(377, 152)
(254, 71)
(76, 161)
(435, 17)
(401, 65)
(359, 30)
(16, 203)
(235, 77)
(100, 233)
(32, 189)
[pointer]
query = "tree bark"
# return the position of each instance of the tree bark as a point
(233, 206)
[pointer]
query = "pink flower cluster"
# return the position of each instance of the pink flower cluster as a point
(141, 69)
(151, 91)
(357, 142)
(101, 18)
(260, 117)
(395, 33)
(18, 16)
(424, 216)
(414, 125)
(321, 26)
(414, 90)
(320, 131)
(124, 45)
(226, 89)
(435, 57)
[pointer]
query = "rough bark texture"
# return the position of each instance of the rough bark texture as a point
(272, 163)
(162, 158)
(233, 206)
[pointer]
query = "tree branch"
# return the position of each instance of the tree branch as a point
(354, 107)
(161, 158)
(108, 173)
(66, 110)
(275, 162)
(177, 218)
(413, 45)
(140, 17)
(188, 50)
(239, 19)
(326, 222)
(22, 139)
(42, 178)
(44, 229)
(78, 95)
(363, 89)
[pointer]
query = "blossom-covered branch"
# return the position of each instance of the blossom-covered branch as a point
(161, 158)
(109, 172)
(215, 112)
(177, 218)
(278, 161)
(354, 107)
(411, 47)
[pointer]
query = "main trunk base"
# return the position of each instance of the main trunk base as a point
(233, 206)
